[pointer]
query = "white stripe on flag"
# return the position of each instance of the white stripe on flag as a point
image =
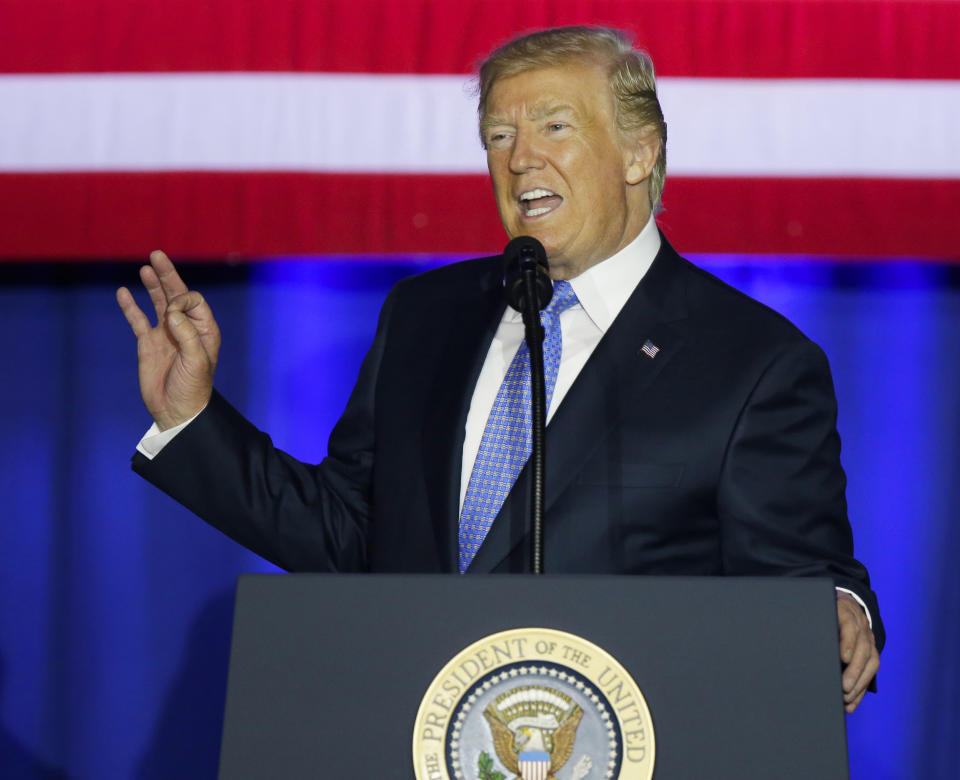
(226, 121)
(427, 124)
(812, 127)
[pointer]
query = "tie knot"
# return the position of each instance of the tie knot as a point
(563, 298)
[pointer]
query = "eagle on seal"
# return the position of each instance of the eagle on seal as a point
(540, 736)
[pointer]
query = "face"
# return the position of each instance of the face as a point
(561, 171)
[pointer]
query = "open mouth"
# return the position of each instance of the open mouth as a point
(538, 201)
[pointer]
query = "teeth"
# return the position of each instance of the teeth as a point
(537, 193)
(537, 212)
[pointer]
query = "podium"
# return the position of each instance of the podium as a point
(741, 676)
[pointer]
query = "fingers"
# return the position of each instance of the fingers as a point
(151, 283)
(849, 625)
(190, 303)
(167, 275)
(860, 671)
(191, 322)
(194, 306)
(856, 694)
(169, 293)
(851, 706)
(162, 282)
(137, 320)
(184, 313)
(853, 674)
(858, 650)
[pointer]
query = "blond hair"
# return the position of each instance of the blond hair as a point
(631, 74)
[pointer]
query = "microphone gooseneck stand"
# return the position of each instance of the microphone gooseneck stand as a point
(528, 289)
(533, 330)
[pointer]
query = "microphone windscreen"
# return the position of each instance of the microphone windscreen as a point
(525, 253)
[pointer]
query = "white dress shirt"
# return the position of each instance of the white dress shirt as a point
(602, 290)
(155, 440)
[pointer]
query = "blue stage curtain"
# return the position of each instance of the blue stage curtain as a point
(115, 602)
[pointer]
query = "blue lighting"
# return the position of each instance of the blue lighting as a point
(116, 602)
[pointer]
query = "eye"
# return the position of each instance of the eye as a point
(497, 137)
(556, 127)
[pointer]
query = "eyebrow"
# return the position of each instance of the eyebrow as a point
(538, 112)
(542, 112)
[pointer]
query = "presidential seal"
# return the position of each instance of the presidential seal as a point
(533, 704)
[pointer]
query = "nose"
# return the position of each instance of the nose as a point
(526, 154)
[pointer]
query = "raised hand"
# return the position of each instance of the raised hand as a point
(177, 356)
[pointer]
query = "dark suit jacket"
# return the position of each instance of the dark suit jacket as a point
(718, 456)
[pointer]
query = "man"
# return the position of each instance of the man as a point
(691, 430)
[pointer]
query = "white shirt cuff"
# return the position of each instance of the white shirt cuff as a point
(859, 601)
(155, 440)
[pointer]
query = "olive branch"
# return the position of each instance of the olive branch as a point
(485, 770)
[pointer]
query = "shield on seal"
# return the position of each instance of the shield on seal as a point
(534, 765)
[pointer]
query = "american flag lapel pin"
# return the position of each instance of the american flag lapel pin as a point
(649, 349)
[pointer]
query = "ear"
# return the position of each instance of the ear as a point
(641, 150)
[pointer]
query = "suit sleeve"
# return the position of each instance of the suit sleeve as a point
(300, 516)
(782, 498)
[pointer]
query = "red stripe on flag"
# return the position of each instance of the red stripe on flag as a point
(902, 39)
(836, 217)
(214, 215)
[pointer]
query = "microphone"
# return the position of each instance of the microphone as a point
(528, 289)
(523, 255)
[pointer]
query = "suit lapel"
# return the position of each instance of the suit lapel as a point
(469, 331)
(616, 374)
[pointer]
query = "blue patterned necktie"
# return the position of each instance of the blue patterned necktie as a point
(507, 439)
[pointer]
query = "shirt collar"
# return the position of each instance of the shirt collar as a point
(603, 289)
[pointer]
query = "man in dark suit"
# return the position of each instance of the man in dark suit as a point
(691, 430)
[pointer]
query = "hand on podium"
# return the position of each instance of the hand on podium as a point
(858, 650)
(176, 357)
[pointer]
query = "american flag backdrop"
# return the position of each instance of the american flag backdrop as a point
(813, 162)
(246, 128)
